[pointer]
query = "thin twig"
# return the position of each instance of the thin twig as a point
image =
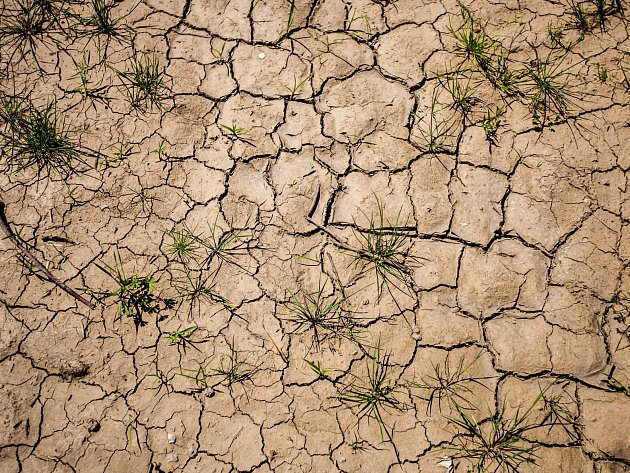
(30, 257)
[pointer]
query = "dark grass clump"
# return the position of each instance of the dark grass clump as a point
(37, 137)
(144, 84)
(27, 26)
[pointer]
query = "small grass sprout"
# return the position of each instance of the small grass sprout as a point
(316, 367)
(186, 245)
(324, 317)
(376, 394)
(236, 132)
(181, 337)
(295, 88)
(384, 249)
(551, 97)
(143, 82)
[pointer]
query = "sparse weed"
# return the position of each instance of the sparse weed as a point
(498, 443)
(374, 396)
(232, 370)
(37, 137)
(556, 34)
(295, 88)
(28, 25)
(461, 91)
(134, 294)
(581, 20)
(84, 67)
(617, 384)
(143, 83)
(436, 131)
(324, 317)
(196, 287)
(625, 82)
(200, 376)
(449, 384)
(551, 97)
(103, 23)
(602, 73)
(486, 54)
(602, 10)
(473, 42)
(353, 24)
(161, 379)
(620, 311)
(141, 199)
(223, 246)
(384, 249)
(558, 413)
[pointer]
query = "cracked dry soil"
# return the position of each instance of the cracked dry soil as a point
(281, 131)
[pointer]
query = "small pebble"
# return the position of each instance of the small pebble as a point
(172, 457)
(415, 333)
(171, 437)
(261, 56)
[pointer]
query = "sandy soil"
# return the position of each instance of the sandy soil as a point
(282, 129)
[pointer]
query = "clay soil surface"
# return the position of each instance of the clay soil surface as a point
(315, 236)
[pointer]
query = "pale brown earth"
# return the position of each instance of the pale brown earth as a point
(516, 246)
